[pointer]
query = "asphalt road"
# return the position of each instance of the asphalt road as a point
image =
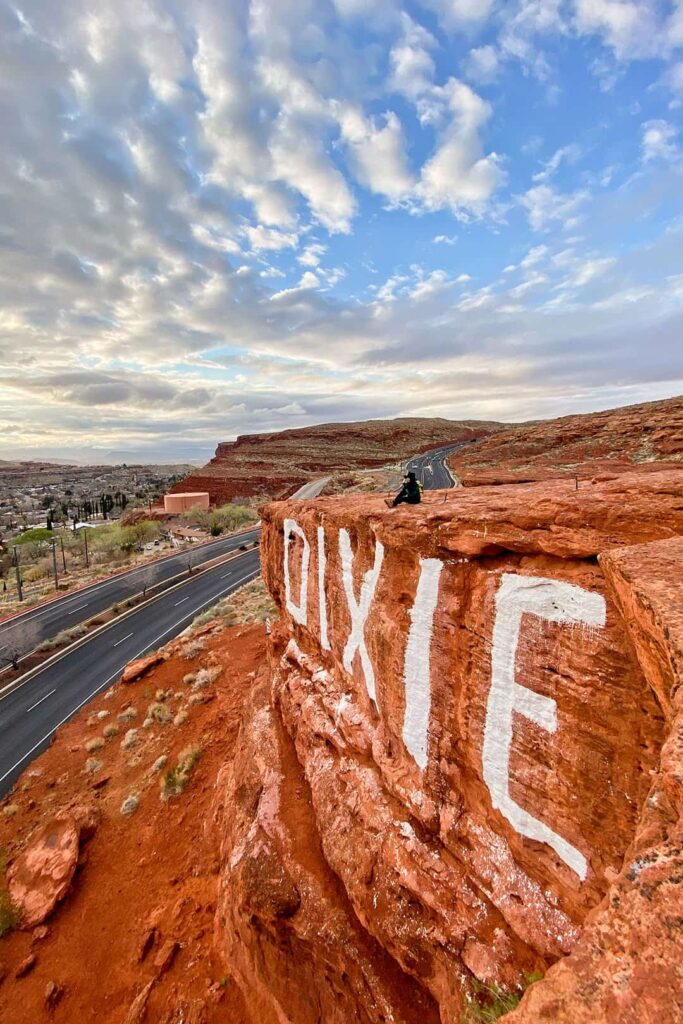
(28, 629)
(430, 467)
(30, 714)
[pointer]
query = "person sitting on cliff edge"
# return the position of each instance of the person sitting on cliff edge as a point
(410, 493)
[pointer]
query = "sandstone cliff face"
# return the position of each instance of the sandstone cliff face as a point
(584, 445)
(276, 464)
(466, 768)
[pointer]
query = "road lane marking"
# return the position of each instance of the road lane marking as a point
(41, 700)
(231, 542)
(255, 573)
(124, 638)
(181, 600)
(80, 607)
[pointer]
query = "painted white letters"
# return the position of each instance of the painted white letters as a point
(416, 672)
(322, 606)
(557, 602)
(358, 610)
(297, 610)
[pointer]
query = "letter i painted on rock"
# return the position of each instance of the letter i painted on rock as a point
(298, 610)
(322, 606)
(554, 601)
(358, 609)
(416, 673)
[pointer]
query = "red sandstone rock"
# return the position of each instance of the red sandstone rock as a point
(42, 874)
(163, 961)
(137, 1011)
(595, 444)
(465, 864)
(26, 966)
(134, 670)
(53, 995)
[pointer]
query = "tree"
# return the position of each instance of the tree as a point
(18, 640)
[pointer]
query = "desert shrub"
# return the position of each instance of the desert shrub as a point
(103, 714)
(128, 714)
(94, 745)
(9, 914)
(175, 779)
(130, 804)
(193, 648)
(160, 713)
(181, 717)
(189, 678)
(491, 1002)
(130, 740)
(110, 731)
(160, 763)
(92, 765)
(205, 677)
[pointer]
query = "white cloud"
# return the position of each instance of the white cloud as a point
(411, 62)
(569, 154)
(459, 175)
(376, 152)
(544, 206)
(658, 141)
(482, 65)
(312, 254)
(445, 239)
(631, 28)
(457, 14)
(261, 237)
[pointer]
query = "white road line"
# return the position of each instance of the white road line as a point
(41, 700)
(80, 607)
(90, 696)
(127, 637)
(181, 600)
(91, 588)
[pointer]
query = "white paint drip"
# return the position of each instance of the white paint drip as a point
(358, 610)
(322, 598)
(298, 611)
(557, 602)
(416, 673)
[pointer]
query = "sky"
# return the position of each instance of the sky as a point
(228, 216)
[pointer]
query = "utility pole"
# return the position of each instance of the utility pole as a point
(85, 541)
(61, 542)
(54, 563)
(16, 569)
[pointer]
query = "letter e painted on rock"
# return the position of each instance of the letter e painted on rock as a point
(298, 610)
(554, 601)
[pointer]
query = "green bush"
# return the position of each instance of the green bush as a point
(9, 914)
(492, 1002)
(36, 535)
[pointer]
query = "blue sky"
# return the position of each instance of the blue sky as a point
(225, 216)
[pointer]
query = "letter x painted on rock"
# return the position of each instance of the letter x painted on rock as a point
(358, 609)
(554, 601)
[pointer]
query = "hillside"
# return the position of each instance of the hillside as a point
(583, 445)
(274, 465)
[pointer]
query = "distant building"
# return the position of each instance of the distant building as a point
(177, 503)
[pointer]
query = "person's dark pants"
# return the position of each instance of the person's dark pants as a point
(401, 499)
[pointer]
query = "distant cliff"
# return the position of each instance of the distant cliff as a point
(274, 465)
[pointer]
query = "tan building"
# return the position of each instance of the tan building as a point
(177, 503)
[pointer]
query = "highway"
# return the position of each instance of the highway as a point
(430, 467)
(30, 714)
(63, 612)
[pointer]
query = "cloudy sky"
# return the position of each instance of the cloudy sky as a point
(225, 216)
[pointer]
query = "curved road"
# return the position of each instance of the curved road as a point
(431, 469)
(30, 714)
(63, 612)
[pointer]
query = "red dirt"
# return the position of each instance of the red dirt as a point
(155, 869)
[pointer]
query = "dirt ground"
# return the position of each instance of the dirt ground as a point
(144, 878)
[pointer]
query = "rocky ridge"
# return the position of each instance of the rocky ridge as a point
(276, 464)
(585, 445)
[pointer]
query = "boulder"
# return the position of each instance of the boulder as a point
(134, 670)
(467, 759)
(41, 875)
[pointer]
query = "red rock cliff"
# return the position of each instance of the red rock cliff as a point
(274, 465)
(467, 766)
